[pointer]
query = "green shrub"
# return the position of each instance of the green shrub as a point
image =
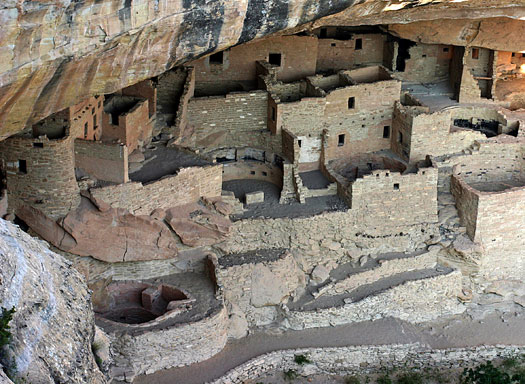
(5, 318)
(410, 378)
(384, 379)
(301, 359)
(352, 380)
(290, 375)
(485, 374)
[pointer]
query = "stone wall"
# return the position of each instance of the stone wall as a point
(147, 90)
(428, 63)
(233, 120)
(103, 161)
(187, 186)
(41, 172)
(181, 130)
(238, 69)
(336, 54)
(476, 80)
(369, 359)
(164, 347)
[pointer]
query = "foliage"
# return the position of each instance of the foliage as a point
(290, 374)
(301, 359)
(410, 378)
(384, 379)
(485, 374)
(352, 380)
(5, 318)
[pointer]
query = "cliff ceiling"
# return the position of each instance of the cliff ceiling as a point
(54, 53)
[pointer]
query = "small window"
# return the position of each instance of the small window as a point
(95, 122)
(299, 143)
(323, 33)
(274, 113)
(523, 55)
(513, 54)
(475, 53)
(252, 172)
(358, 44)
(341, 140)
(274, 59)
(85, 130)
(351, 102)
(446, 49)
(396, 187)
(217, 58)
(333, 45)
(386, 131)
(22, 166)
(423, 55)
(38, 145)
(264, 173)
(400, 137)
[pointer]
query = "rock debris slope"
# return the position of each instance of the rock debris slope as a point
(53, 327)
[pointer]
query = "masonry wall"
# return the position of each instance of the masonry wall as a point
(386, 198)
(427, 63)
(252, 170)
(233, 120)
(336, 54)
(473, 90)
(187, 186)
(181, 128)
(134, 127)
(49, 182)
(238, 71)
(147, 90)
(103, 161)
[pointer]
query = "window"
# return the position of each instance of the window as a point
(386, 131)
(85, 131)
(475, 53)
(358, 44)
(513, 54)
(252, 172)
(333, 45)
(323, 33)
(400, 137)
(523, 55)
(446, 49)
(273, 114)
(396, 186)
(264, 173)
(299, 142)
(217, 58)
(94, 121)
(423, 55)
(22, 166)
(274, 59)
(38, 145)
(341, 140)
(351, 102)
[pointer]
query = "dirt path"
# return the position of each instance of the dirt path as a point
(459, 332)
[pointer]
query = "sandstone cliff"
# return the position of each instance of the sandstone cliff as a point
(53, 327)
(55, 54)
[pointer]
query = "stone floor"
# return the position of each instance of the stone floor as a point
(314, 180)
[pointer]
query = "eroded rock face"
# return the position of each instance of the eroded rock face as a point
(53, 326)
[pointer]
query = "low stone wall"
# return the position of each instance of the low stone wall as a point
(164, 347)
(357, 360)
(187, 186)
(327, 238)
(414, 301)
(104, 161)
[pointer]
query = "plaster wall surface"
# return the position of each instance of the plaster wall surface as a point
(104, 161)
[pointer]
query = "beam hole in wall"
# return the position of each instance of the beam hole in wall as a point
(396, 187)
(351, 102)
(386, 131)
(274, 59)
(22, 166)
(217, 58)
(341, 140)
(358, 44)
(38, 145)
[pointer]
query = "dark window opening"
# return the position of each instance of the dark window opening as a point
(523, 55)
(423, 55)
(358, 44)
(274, 59)
(333, 45)
(264, 173)
(386, 131)
(351, 102)
(38, 145)
(403, 54)
(86, 130)
(273, 114)
(223, 159)
(513, 54)
(252, 172)
(445, 49)
(341, 140)
(299, 142)
(323, 33)
(94, 121)
(396, 186)
(400, 137)
(217, 58)
(22, 166)
(475, 53)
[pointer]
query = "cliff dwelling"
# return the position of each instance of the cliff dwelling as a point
(261, 192)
